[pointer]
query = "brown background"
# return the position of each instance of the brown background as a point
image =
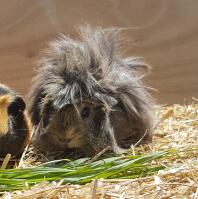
(164, 32)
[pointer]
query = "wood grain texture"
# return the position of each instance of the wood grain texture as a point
(165, 33)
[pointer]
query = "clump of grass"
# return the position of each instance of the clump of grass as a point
(83, 171)
(166, 168)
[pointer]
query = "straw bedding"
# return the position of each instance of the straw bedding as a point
(178, 127)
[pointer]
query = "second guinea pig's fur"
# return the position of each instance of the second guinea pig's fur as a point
(85, 97)
(15, 128)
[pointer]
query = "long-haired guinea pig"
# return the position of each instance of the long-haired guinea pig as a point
(14, 124)
(85, 97)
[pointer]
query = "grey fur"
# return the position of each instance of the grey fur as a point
(89, 70)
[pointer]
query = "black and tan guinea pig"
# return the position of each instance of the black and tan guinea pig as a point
(15, 128)
(85, 97)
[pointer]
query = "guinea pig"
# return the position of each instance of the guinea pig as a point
(85, 97)
(15, 127)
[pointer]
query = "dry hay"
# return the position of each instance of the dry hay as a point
(178, 127)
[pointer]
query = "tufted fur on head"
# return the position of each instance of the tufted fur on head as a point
(88, 71)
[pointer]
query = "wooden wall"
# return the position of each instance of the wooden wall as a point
(164, 32)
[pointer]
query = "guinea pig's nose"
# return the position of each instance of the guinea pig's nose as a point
(74, 138)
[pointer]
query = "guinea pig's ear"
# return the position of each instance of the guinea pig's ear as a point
(17, 105)
(47, 113)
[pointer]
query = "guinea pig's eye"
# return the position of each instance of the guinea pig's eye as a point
(85, 112)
